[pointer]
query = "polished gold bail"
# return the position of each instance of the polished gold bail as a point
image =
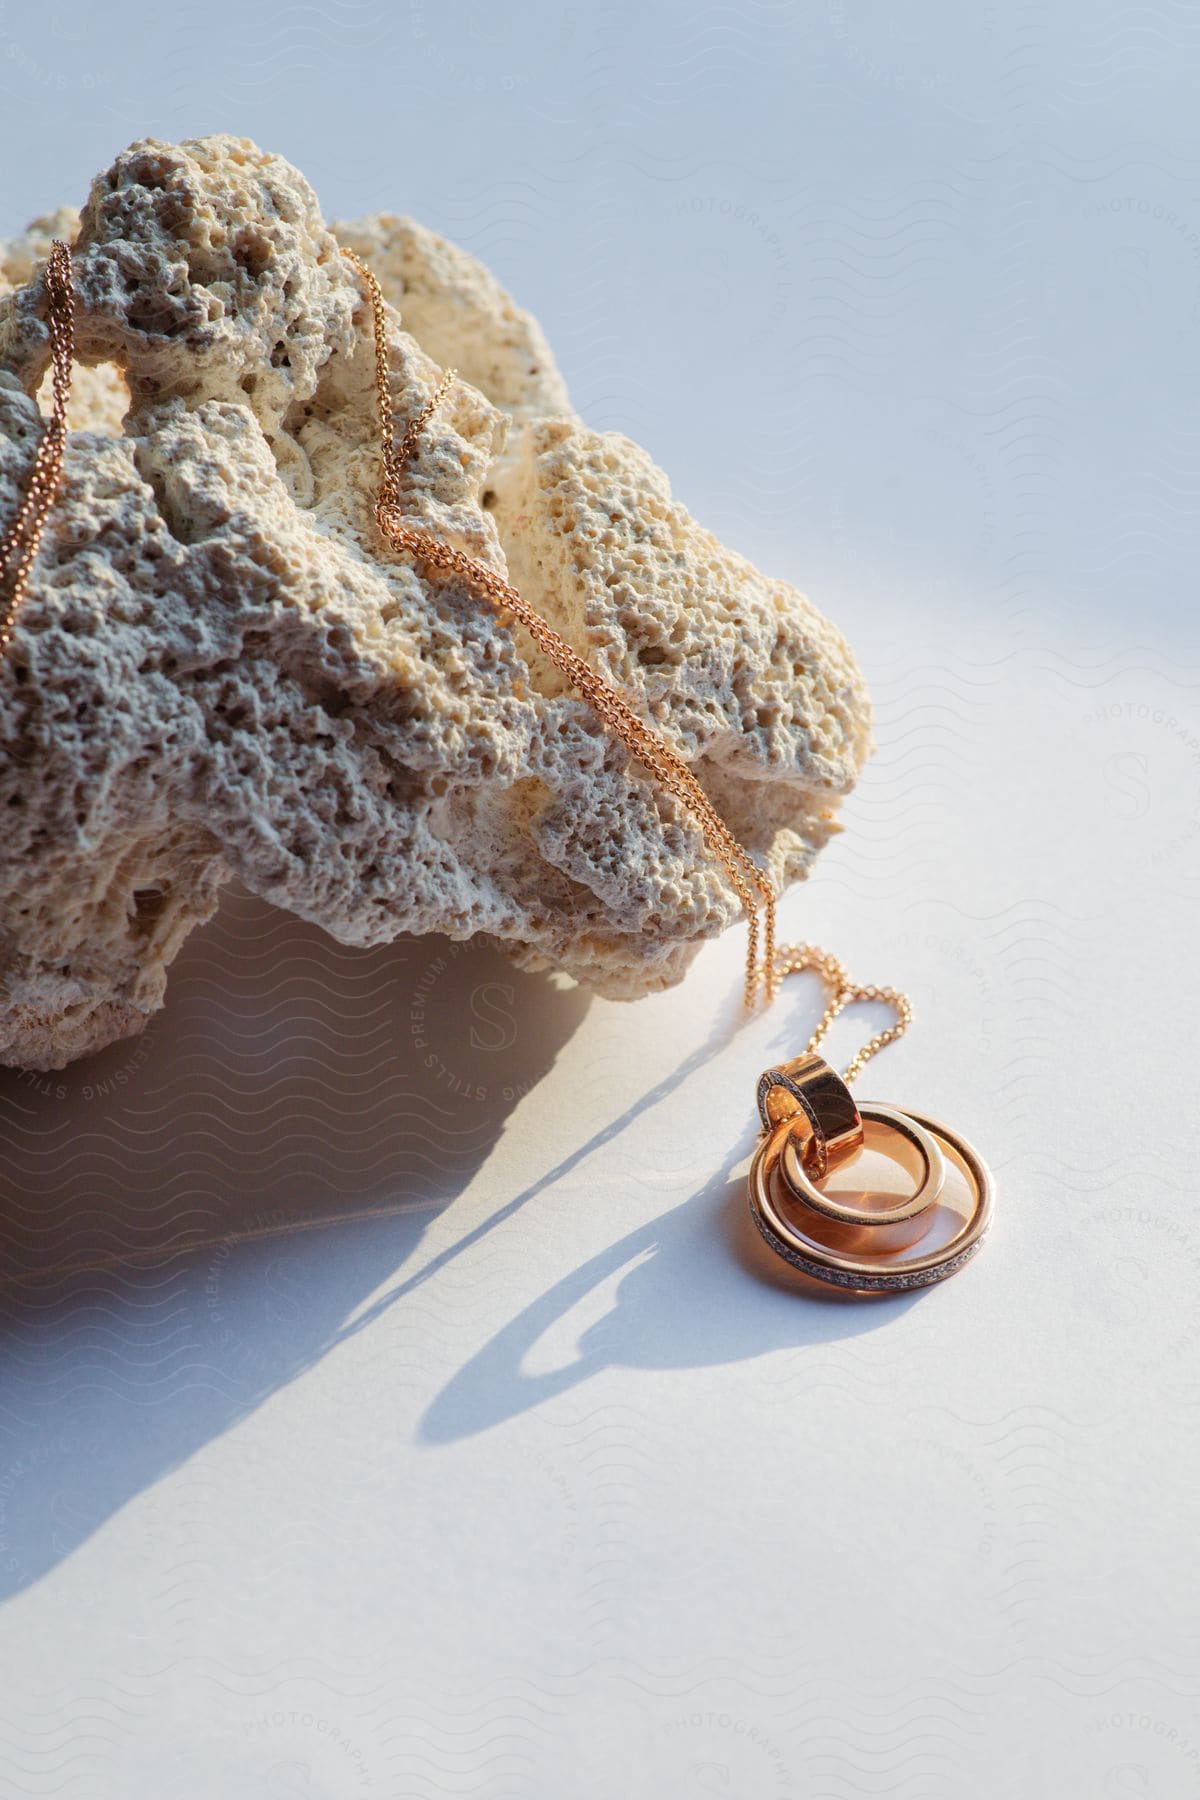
(807, 1087)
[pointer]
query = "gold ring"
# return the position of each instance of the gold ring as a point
(873, 1274)
(884, 1227)
(814, 1096)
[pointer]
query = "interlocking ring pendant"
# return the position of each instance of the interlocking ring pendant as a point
(812, 1128)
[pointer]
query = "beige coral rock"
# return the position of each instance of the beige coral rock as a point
(220, 670)
(459, 314)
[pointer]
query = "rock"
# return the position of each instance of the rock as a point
(221, 670)
(459, 314)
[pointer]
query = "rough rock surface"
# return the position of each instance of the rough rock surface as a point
(459, 314)
(220, 669)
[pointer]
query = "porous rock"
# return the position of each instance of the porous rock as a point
(220, 669)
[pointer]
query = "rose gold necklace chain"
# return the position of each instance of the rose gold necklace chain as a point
(20, 543)
(19, 546)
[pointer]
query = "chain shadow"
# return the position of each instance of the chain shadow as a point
(697, 1288)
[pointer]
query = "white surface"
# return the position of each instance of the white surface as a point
(540, 1486)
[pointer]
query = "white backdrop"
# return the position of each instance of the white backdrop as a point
(533, 1481)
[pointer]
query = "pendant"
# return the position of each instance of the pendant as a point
(814, 1129)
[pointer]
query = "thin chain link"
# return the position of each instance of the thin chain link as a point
(795, 958)
(753, 886)
(21, 540)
